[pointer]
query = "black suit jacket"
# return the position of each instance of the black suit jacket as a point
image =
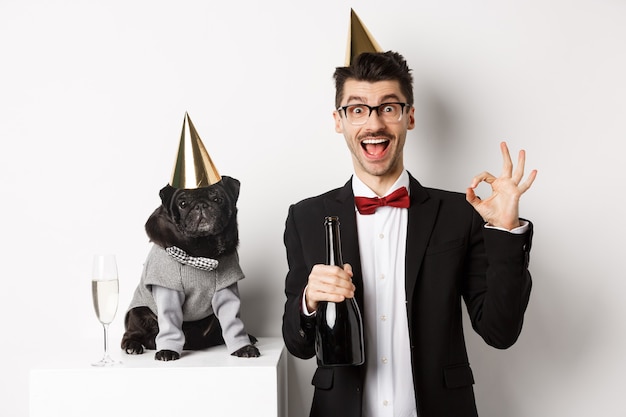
(449, 256)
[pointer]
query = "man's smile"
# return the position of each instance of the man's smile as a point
(375, 147)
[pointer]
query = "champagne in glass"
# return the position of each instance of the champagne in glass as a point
(105, 292)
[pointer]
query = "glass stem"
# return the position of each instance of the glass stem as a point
(106, 339)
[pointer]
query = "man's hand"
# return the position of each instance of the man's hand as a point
(328, 283)
(501, 209)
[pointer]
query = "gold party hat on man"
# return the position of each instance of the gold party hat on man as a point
(193, 167)
(359, 39)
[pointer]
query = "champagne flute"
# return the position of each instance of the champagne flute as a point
(105, 292)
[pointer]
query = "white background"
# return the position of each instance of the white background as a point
(92, 99)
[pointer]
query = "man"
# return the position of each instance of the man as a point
(407, 267)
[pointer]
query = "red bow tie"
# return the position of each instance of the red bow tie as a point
(367, 205)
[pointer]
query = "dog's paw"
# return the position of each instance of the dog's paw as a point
(248, 351)
(166, 355)
(132, 347)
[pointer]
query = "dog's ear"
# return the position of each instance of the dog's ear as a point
(166, 194)
(232, 186)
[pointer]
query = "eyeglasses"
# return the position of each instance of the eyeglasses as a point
(358, 114)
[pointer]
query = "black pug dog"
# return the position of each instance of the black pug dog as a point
(188, 297)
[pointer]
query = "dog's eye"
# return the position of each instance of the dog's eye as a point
(217, 199)
(182, 204)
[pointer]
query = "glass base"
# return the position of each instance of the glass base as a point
(106, 361)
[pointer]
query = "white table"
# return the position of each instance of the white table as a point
(201, 383)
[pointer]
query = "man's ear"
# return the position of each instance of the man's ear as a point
(338, 122)
(411, 117)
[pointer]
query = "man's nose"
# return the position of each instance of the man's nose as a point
(375, 119)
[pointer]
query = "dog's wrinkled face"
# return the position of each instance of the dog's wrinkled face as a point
(204, 211)
(201, 212)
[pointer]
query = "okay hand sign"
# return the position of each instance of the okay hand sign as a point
(501, 209)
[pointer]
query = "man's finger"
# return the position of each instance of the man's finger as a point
(507, 164)
(518, 174)
(529, 181)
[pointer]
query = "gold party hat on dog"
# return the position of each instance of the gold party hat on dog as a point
(359, 39)
(193, 168)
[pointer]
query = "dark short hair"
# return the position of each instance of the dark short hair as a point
(375, 66)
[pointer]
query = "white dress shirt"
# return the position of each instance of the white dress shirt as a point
(388, 389)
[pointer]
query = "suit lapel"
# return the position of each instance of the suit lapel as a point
(422, 215)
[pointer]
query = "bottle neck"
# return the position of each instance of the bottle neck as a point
(333, 244)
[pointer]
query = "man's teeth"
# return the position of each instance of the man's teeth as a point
(374, 141)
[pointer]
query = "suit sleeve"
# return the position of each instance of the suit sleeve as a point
(497, 296)
(298, 329)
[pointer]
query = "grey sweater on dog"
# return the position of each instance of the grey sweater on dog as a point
(176, 292)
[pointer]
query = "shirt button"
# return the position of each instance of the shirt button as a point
(384, 359)
(383, 318)
(382, 276)
(381, 236)
(385, 403)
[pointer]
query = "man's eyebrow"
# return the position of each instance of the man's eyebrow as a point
(389, 97)
(356, 98)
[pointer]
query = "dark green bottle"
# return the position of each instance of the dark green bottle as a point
(339, 330)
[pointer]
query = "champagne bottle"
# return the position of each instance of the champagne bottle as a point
(339, 329)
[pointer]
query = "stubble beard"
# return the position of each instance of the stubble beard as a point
(381, 169)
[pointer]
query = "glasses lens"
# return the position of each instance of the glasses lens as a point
(390, 112)
(357, 114)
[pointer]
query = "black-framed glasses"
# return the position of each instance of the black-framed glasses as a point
(358, 114)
